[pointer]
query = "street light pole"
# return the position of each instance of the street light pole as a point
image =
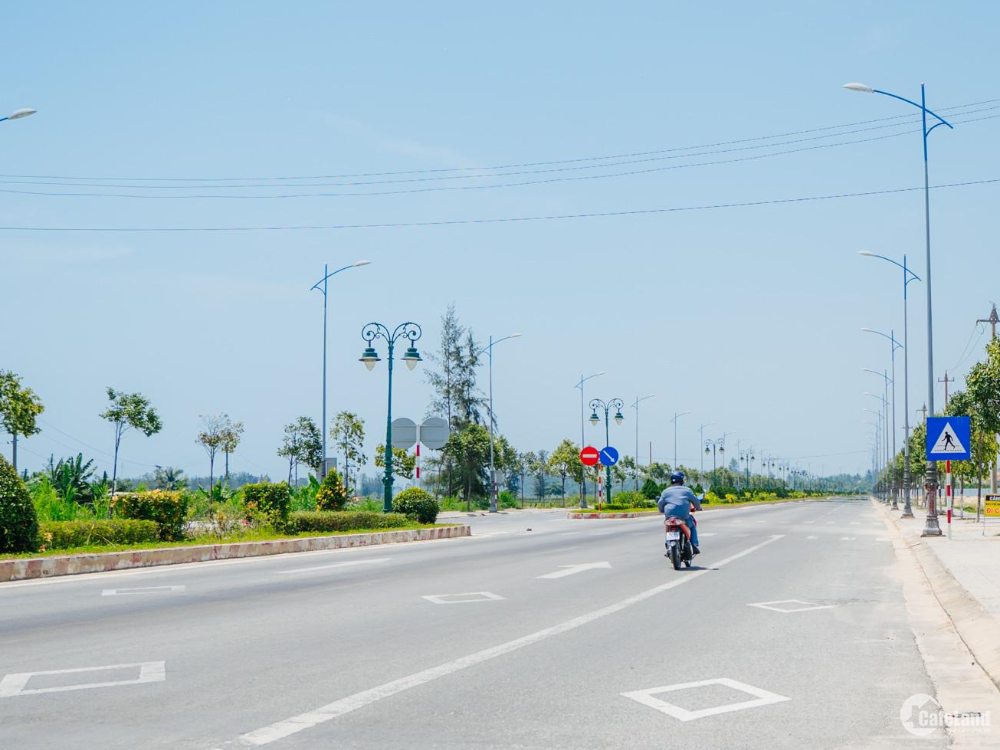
(636, 407)
(493, 474)
(411, 332)
(701, 438)
(674, 420)
(931, 525)
(893, 345)
(617, 404)
(908, 276)
(583, 437)
(323, 289)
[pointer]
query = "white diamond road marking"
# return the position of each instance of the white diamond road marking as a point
(144, 590)
(471, 596)
(805, 606)
(645, 697)
(149, 671)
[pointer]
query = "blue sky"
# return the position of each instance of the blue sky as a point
(748, 317)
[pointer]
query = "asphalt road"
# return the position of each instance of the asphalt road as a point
(381, 647)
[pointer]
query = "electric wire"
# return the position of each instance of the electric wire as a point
(499, 220)
(906, 118)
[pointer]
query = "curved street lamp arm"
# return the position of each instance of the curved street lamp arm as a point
(876, 372)
(332, 273)
(918, 106)
(596, 403)
(584, 380)
(895, 344)
(487, 347)
(898, 265)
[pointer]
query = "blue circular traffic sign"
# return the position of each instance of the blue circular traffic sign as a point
(609, 456)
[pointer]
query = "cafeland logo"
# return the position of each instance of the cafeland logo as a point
(922, 715)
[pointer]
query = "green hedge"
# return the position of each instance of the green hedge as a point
(268, 503)
(305, 521)
(632, 499)
(18, 521)
(417, 504)
(65, 534)
(168, 508)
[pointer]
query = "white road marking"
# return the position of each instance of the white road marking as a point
(806, 606)
(471, 596)
(707, 533)
(145, 590)
(763, 698)
(14, 684)
(336, 565)
(855, 523)
(848, 538)
(568, 570)
(883, 539)
(288, 727)
(812, 537)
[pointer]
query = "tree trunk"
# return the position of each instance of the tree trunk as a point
(564, 490)
(291, 463)
(114, 465)
(211, 474)
(14, 451)
(227, 467)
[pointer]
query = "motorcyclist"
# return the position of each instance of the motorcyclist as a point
(676, 501)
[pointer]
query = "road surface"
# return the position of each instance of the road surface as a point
(792, 627)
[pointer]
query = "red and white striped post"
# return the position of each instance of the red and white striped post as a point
(600, 491)
(949, 498)
(418, 464)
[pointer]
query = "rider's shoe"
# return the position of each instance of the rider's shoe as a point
(695, 550)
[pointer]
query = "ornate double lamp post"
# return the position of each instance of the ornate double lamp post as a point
(410, 332)
(617, 404)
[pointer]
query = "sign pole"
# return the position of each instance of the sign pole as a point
(947, 489)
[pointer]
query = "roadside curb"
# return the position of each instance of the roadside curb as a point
(974, 625)
(47, 567)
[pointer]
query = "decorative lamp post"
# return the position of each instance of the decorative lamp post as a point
(617, 404)
(411, 332)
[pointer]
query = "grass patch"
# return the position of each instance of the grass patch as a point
(258, 535)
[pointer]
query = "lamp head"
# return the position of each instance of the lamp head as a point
(593, 419)
(19, 113)
(859, 87)
(412, 357)
(370, 357)
(360, 263)
(619, 418)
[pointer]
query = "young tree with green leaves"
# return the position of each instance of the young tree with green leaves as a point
(469, 451)
(19, 410)
(232, 434)
(541, 472)
(565, 462)
(348, 434)
(403, 463)
(129, 411)
(983, 385)
(168, 478)
(524, 463)
(302, 444)
(211, 438)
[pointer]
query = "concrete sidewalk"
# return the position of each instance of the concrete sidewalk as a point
(964, 573)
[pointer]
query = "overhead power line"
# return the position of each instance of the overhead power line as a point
(499, 220)
(902, 120)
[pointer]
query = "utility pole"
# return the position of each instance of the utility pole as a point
(946, 380)
(993, 320)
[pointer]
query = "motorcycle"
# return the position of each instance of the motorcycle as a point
(678, 541)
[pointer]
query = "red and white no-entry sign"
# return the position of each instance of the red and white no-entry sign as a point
(589, 456)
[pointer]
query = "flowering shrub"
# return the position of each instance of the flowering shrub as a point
(168, 508)
(331, 494)
(267, 504)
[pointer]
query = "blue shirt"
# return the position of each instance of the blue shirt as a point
(677, 500)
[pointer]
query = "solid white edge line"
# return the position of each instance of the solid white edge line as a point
(300, 722)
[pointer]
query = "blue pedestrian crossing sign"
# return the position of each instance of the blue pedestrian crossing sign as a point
(949, 439)
(609, 456)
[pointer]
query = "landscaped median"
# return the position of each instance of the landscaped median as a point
(21, 568)
(638, 512)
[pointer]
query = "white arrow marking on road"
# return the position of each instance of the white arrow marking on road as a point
(336, 565)
(568, 570)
